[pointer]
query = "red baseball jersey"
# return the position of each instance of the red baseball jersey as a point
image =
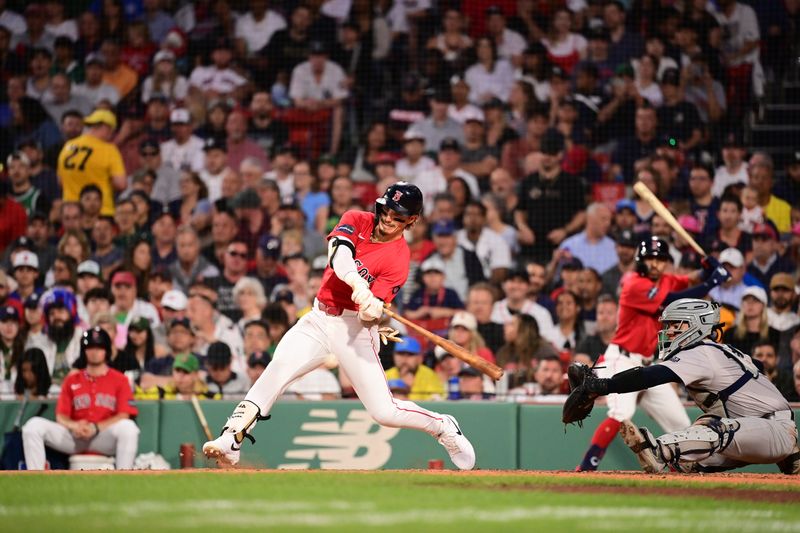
(383, 264)
(95, 399)
(639, 307)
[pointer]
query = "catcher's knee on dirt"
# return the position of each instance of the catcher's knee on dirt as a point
(243, 420)
(708, 435)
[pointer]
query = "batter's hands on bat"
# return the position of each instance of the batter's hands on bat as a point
(719, 276)
(361, 293)
(372, 310)
(388, 333)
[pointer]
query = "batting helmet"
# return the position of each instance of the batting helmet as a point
(652, 247)
(701, 317)
(95, 338)
(401, 197)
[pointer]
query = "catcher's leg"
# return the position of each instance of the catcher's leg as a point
(759, 441)
(664, 406)
(620, 407)
(680, 450)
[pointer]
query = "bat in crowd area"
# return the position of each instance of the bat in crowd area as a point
(662, 211)
(491, 370)
(201, 417)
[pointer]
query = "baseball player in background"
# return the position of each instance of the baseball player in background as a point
(93, 412)
(746, 420)
(644, 293)
(368, 261)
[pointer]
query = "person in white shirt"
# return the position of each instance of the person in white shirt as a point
(515, 288)
(593, 246)
(218, 79)
(320, 84)
(491, 76)
(492, 251)
(255, 28)
(460, 109)
(434, 181)
(731, 291)
(94, 89)
(57, 24)
(735, 168)
(510, 44)
(184, 150)
(13, 21)
(438, 125)
(415, 162)
(165, 79)
(214, 168)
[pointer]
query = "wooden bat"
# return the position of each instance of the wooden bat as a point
(648, 196)
(200, 416)
(491, 370)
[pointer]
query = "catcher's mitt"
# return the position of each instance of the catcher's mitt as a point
(584, 387)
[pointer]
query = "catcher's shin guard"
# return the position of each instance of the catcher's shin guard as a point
(243, 420)
(708, 435)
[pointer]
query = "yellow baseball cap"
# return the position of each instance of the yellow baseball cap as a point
(101, 116)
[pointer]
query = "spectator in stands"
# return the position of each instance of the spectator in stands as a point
(263, 128)
(781, 315)
(190, 265)
(490, 76)
(523, 348)
(480, 301)
(477, 158)
(564, 48)
(625, 250)
(590, 347)
(734, 168)
(434, 302)
(551, 202)
(729, 234)
(165, 79)
(775, 209)
(255, 28)
(461, 267)
(26, 273)
(221, 378)
(568, 330)
(548, 379)
(493, 252)
(116, 72)
(471, 385)
(60, 340)
(105, 171)
(248, 294)
(731, 291)
(423, 383)
(766, 260)
(180, 341)
(97, 300)
(106, 254)
(319, 84)
(464, 332)
(234, 268)
(438, 125)
(211, 326)
(765, 352)
(642, 144)
(752, 323)
(95, 89)
(127, 305)
(166, 187)
(24, 193)
(33, 378)
(217, 79)
(165, 229)
(184, 149)
(515, 288)
(702, 204)
(239, 146)
(59, 98)
(436, 180)
(624, 44)
(256, 364)
(84, 419)
(593, 246)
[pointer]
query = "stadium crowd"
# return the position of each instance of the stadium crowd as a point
(171, 170)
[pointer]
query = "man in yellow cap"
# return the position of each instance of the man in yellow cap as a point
(92, 159)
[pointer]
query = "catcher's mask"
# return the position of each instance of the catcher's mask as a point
(688, 321)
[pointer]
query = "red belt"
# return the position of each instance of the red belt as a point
(330, 310)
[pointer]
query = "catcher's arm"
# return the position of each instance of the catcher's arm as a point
(585, 387)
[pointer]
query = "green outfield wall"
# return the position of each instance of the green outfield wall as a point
(341, 435)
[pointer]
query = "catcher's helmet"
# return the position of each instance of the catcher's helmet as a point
(701, 316)
(652, 247)
(401, 197)
(95, 338)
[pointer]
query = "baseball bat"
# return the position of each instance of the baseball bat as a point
(662, 211)
(491, 370)
(200, 416)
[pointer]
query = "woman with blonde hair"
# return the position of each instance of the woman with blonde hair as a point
(75, 244)
(752, 324)
(248, 293)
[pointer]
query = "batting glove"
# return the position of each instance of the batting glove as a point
(370, 311)
(388, 333)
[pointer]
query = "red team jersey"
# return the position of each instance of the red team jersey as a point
(95, 399)
(383, 264)
(639, 308)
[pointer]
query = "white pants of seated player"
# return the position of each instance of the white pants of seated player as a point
(661, 402)
(306, 346)
(757, 441)
(120, 439)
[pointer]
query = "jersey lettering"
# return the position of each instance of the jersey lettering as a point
(364, 272)
(81, 401)
(69, 161)
(106, 400)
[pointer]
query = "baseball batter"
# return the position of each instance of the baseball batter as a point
(644, 293)
(368, 262)
(746, 420)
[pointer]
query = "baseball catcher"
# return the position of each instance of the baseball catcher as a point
(745, 421)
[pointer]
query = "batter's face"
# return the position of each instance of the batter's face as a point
(656, 266)
(391, 225)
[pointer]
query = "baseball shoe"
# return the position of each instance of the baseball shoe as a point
(644, 445)
(790, 465)
(224, 449)
(461, 452)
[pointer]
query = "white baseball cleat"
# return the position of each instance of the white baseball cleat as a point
(644, 445)
(457, 445)
(224, 449)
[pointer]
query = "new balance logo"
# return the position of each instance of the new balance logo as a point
(358, 443)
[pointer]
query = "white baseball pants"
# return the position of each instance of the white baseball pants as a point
(120, 439)
(661, 402)
(757, 441)
(306, 346)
